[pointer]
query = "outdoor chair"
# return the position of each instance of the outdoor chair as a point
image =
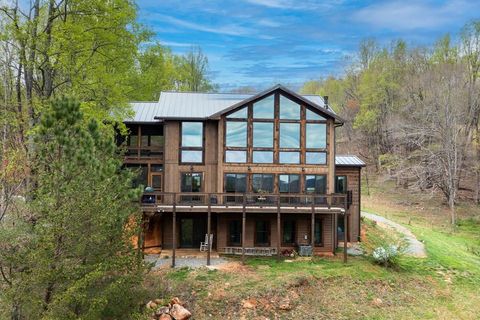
(208, 243)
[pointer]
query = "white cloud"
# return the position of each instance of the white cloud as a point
(231, 29)
(410, 15)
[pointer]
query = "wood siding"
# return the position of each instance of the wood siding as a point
(353, 184)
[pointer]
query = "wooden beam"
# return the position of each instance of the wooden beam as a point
(312, 231)
(209, 226)
(244, 220)
(174, 231)
(345, 232)
(279, 239)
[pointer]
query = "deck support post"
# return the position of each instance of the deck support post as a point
(345, 232)
(174, 231)
(278, 228)
(209, 226)
(312, 227)
(244, 225)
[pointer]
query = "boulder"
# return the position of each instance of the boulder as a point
(158, 301)
(176, 300)
(151, 305)
(179, 313)
(165, 316)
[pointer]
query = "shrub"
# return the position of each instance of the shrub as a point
(386, 255)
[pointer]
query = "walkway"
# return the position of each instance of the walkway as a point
(415, 248)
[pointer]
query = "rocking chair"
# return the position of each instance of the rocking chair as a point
(208, 243)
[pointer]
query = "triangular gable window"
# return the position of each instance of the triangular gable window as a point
(239, 114)
(264, 109)
(289, 110)
(314, 116)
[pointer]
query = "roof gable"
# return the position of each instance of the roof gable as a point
(203, 106)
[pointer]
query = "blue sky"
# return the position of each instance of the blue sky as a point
(263, 42)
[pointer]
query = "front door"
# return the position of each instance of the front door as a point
(192, 232)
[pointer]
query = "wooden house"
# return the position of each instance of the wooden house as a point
(258, 172)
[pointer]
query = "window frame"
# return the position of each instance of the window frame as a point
(187, 148)
(294, 231)
(229, 233)
(268, 233)
(346, 183)
(320, 243)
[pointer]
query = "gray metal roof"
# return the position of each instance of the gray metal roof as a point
(349, 160)
(194, 105)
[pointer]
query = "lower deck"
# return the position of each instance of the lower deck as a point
(241, 233)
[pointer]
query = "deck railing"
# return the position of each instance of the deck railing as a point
(248, 199)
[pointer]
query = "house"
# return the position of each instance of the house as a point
(259, 172)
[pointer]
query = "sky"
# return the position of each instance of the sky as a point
(260, 43)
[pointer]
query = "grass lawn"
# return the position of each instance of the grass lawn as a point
(443, 286)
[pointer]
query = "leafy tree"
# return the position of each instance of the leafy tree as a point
(193, 70)
(76, 258)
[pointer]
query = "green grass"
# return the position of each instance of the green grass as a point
(442, 286)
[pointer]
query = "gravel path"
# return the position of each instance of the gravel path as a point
(415, 248)
(183, 262)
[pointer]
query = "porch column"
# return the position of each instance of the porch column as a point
(278, 228)
(174, 231)
(244, 219)
(312, 228)
(209, 248)
(345, 229)
(334, 238)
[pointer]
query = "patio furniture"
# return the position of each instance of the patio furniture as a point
(208, 242)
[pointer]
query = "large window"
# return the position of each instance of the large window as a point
(289, 183)
(144, 141)
(191, 182)
(289, 232)
(276, 129)
(262, 183)
(262, 233)
(192, 142)
(236, 182)
(235, 233)
(316, 184)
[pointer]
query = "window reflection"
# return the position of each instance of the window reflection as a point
(236, 182)
(262, 183)
(314, 116)
(289, 183)
(264, 109)
(236, 134)
(316, 135)
(316, 184)
(240, 114)
(289, 109)
(192, 134)
(262, 156)
(263, 134)
(316, 158)
(289, 135)
(192, 156)
(235, 156)
(289, 157)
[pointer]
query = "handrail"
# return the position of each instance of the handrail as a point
(248, 199)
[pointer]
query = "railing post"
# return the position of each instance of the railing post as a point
(345, 231)
(244, 220)
(174, 230)
(278, 227)
(209, 229)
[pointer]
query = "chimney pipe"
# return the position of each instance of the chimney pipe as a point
(325, 100)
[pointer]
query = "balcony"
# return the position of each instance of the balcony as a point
(230, 202)
(143, 153)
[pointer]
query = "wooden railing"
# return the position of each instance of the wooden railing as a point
(248, 199)
(137, 153)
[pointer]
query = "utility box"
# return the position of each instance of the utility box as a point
(305, 251)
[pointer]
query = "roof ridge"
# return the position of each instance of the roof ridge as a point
(197, 92)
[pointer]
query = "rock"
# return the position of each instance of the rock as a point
(176, 300)
(165, 316)
(293, 295)
(285, 304)
(179, 313)
(151, 305)
(158, 301)
(161, 311)
(249, 304)
(377, 302)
